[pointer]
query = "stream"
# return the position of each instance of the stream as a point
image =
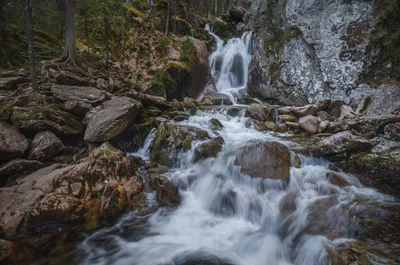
(227, 217)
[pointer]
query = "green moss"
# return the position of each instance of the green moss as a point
(187, 145)
(133, 10)
(188, 50)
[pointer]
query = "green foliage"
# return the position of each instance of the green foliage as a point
(188, 50)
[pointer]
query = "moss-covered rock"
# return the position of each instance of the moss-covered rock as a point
(210, 148)
(170, 140)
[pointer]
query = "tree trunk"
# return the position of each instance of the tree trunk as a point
(31, 46)
(121, 4)
(106, 40)
(2, 24)
(168, 14)
(69, 53)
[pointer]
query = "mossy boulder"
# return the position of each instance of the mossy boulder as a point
(170, 140)
(5, 110)
(12, 143)
(210, 148)
(111, 119)
(180, 26)
(48, 117)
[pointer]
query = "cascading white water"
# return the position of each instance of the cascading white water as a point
(226, 216)
(144, 152)
(229, 63)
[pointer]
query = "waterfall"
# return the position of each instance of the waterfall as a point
(229, 63)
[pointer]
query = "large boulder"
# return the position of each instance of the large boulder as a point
(16, 166)
(170, 140)
(309, 123)
(149, 100)
(89, 95)
(12, 143)
(44, 146)
(268, 160)
(187, 75)
(111, 118)
(47, 117)
(342, 142)
(99, 187)
(261, 112)
(384, 101)
(209, 148)
(381, 171)
(166, 192)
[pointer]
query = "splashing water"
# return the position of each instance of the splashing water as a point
(144, 152)
(227, 217)
(229, 64)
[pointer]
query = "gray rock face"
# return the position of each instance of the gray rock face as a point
(309, 123)
(18, 165)
(111, 118)
(12, 144)
(255, 158)
(307, 49)
(44, 146)
(69, 79)
(89, 95)
(384, 101)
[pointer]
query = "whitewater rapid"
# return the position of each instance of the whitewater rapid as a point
(229, 217)
(226, 217)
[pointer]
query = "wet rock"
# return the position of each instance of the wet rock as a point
(309, 123)
(254, 159)
(346, 112)
(8, 250)
(261, 112)
(215, 124)
(12, 82)
(380, 171)
(166, 192)
(114, 202)
(111, 118)
(70, 195)
(150, 100)
(323, 126)
(342, 142)
(392, 131)
(12, 143)
(18, 165)
(284, 110)
(375, 124)
(69, 79)
(337, 179)
(217, 99)
(173, 139)
(210, 148)
(47, 117)
(44, 146)
(271, 126)
(286, 117)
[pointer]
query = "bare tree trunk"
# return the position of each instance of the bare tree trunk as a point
(31, 46)
(106, 40)
(2, 24)
(168, 15)
(69, 53)
(121, 4)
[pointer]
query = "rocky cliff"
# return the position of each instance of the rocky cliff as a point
(310, 49)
